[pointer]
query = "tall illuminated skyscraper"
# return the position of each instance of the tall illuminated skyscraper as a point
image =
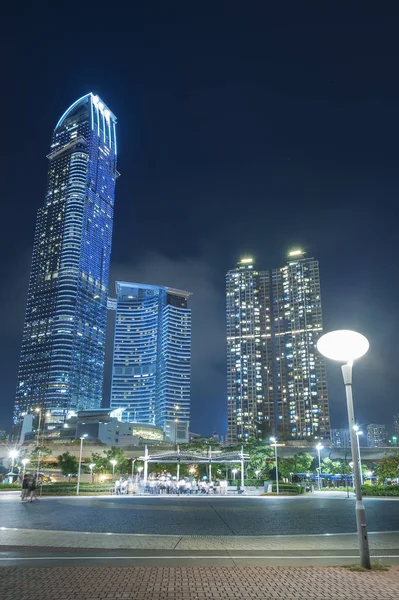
(152, 357)
(277, 380)
(62, 356)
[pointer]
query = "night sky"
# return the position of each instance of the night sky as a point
(240, 131)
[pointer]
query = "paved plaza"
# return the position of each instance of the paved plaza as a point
(195, 583)
(215, 516)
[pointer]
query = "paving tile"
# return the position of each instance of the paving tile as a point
(194, 583)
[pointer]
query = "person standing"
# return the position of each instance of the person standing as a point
(25, 488)
(33, 488)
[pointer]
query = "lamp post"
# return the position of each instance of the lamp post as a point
(133, 461)
(274, 443)
(113, 463)
(91, 467)
(319, 448)
(346, 346)
(39, 412)
(24, 462)
(13, 455)
(80, 462)
(356, 428)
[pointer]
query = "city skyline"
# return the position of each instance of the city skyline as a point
(63, 346)
(276, 378)
(248, 142)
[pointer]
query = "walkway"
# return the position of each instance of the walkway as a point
(195, 583)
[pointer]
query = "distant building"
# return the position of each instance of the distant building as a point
(340, 438)
(276, 378)
(396, 425)
(376, 436)
(152, 357)
(63, 345)
(105, 425)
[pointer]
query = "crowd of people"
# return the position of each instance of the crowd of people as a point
(169, 485)
(30, 485)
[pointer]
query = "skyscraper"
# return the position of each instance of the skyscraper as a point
(376, 436)
(62, 356)
(276, 378)
(152, 357)
(249, 358)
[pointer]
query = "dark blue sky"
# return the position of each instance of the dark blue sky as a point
(240, 130)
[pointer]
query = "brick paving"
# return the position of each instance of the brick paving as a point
(196, 583)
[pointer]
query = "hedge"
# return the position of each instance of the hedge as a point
(380, 490)
(9, 486)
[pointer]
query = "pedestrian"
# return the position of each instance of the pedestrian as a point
(25, 487)
(33, 488)
(118, 487)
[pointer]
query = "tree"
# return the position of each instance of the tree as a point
(388, 468)
(261, 456)
(39, 452)
(68, 464)
(103, 464)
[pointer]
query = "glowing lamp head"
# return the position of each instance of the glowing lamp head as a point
(14, 453)
(113, 462)
(273, 440)
(91, 466)
(25, 461)
(319, 447)
(343, 345)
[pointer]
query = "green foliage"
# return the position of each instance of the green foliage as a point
(388, 467)
(259, 451)
(332, 467)
(380, 490)
(300, 463)
(68, 463)
(103, 464)
(4, 487)
(39, 451)
(66, 488)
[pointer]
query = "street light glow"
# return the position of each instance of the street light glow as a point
(25, 461)
(343, 345)
(13, 454)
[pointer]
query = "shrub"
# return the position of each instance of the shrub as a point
(380, 490)
(9, 486)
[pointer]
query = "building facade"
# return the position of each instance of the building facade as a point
(340, 438)
(377, 436)
(152, 357)
(277, 381)
(62, 356)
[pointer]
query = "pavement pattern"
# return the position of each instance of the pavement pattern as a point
(234, 516)
(71, 539)
(195, 583)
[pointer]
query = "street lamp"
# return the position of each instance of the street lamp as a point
(274, 443)
(347, 346)
(113, 463)
(369, 474)
(257, 473)
(319, 448)
(234, 471)
(24, 462)
(13, 454)
(356, 428)
(80, 462)
(39, 412)
(139, 470)
(91, 467)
